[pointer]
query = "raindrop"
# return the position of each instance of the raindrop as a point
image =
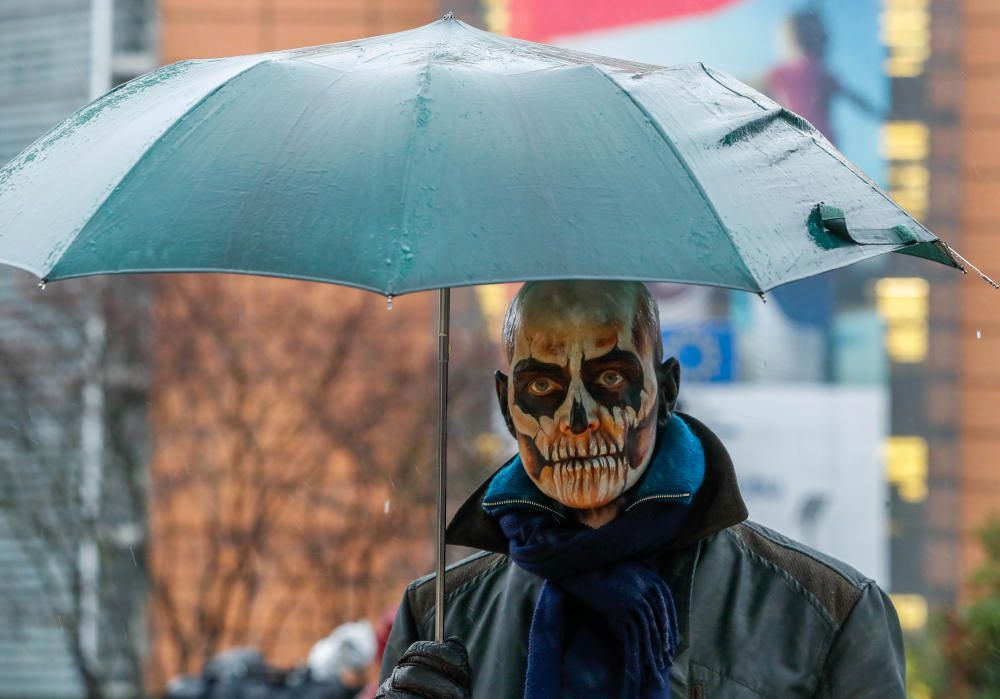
(388, 302)
(41, 285)
(385, 507)
(763, 296)
(979, 334)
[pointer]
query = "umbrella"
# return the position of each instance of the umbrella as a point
(439, 157)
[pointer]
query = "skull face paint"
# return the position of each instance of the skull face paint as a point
(583, 390)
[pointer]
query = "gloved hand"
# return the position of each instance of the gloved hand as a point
(430, 670)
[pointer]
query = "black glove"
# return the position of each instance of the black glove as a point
(430, 670)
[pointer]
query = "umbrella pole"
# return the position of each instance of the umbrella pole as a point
(444, 318)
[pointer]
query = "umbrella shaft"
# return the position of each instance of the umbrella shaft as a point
(444, 318)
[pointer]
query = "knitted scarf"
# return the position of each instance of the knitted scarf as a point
(604, 623)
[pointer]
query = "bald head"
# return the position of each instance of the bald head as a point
(587, 387)
(579, 304)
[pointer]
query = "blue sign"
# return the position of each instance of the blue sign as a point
(706, 351)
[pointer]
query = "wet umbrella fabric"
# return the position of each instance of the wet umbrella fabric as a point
(439, 157)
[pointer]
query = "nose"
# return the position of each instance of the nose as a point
(579, 421)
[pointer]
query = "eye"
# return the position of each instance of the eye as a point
(542, 386)
(611, 379)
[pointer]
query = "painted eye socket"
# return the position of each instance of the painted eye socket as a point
(542, 386)
(611, 379)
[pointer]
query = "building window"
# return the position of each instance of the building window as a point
(135, 44)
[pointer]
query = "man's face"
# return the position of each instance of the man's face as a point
(582, 401)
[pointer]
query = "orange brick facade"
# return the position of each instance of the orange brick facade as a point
(211, 28)
(979, 306)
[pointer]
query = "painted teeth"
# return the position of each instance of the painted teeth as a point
(599, 451)
(603, 460)
(542, 442)
(630, 413)
(601, 476)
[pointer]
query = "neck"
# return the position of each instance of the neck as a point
(599, 516)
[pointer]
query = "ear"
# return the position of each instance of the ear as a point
(668, 379)
(501, 386)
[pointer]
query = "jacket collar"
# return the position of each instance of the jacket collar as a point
(717, 504)
(675, 473)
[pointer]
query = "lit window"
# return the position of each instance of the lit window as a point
(903, 305)
(906, 467)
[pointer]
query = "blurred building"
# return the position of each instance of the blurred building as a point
(972, 40)
(71, 613)
(942, 142)
(916, 302)
(210, 28)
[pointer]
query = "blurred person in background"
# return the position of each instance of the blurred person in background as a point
(616, 557)
(235, 673)
(338, 667)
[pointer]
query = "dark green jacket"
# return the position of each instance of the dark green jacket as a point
(760, 615)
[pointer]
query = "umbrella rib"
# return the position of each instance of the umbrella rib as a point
(756, 286)
(420, 112)
(824, 146)
(149, 149)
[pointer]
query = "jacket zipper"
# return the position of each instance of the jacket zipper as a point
(501, 503)
(669, 496)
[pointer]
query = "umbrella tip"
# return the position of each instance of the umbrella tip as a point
(762, 295)
(449, 15)
(41, 284)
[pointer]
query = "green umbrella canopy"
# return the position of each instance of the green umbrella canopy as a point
(440, 157)
(444, 156)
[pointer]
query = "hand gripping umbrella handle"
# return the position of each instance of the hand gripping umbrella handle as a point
(444, 318)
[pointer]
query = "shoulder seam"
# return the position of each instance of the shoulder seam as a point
(798, 587)
(422, 603)
(420, 582)
(760, 532)
(834, 606)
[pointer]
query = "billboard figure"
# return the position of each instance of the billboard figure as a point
(805, 84)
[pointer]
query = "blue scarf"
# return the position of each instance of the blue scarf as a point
(604, 623)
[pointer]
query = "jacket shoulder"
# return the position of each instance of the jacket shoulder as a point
(834, 584)
(458, 576)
